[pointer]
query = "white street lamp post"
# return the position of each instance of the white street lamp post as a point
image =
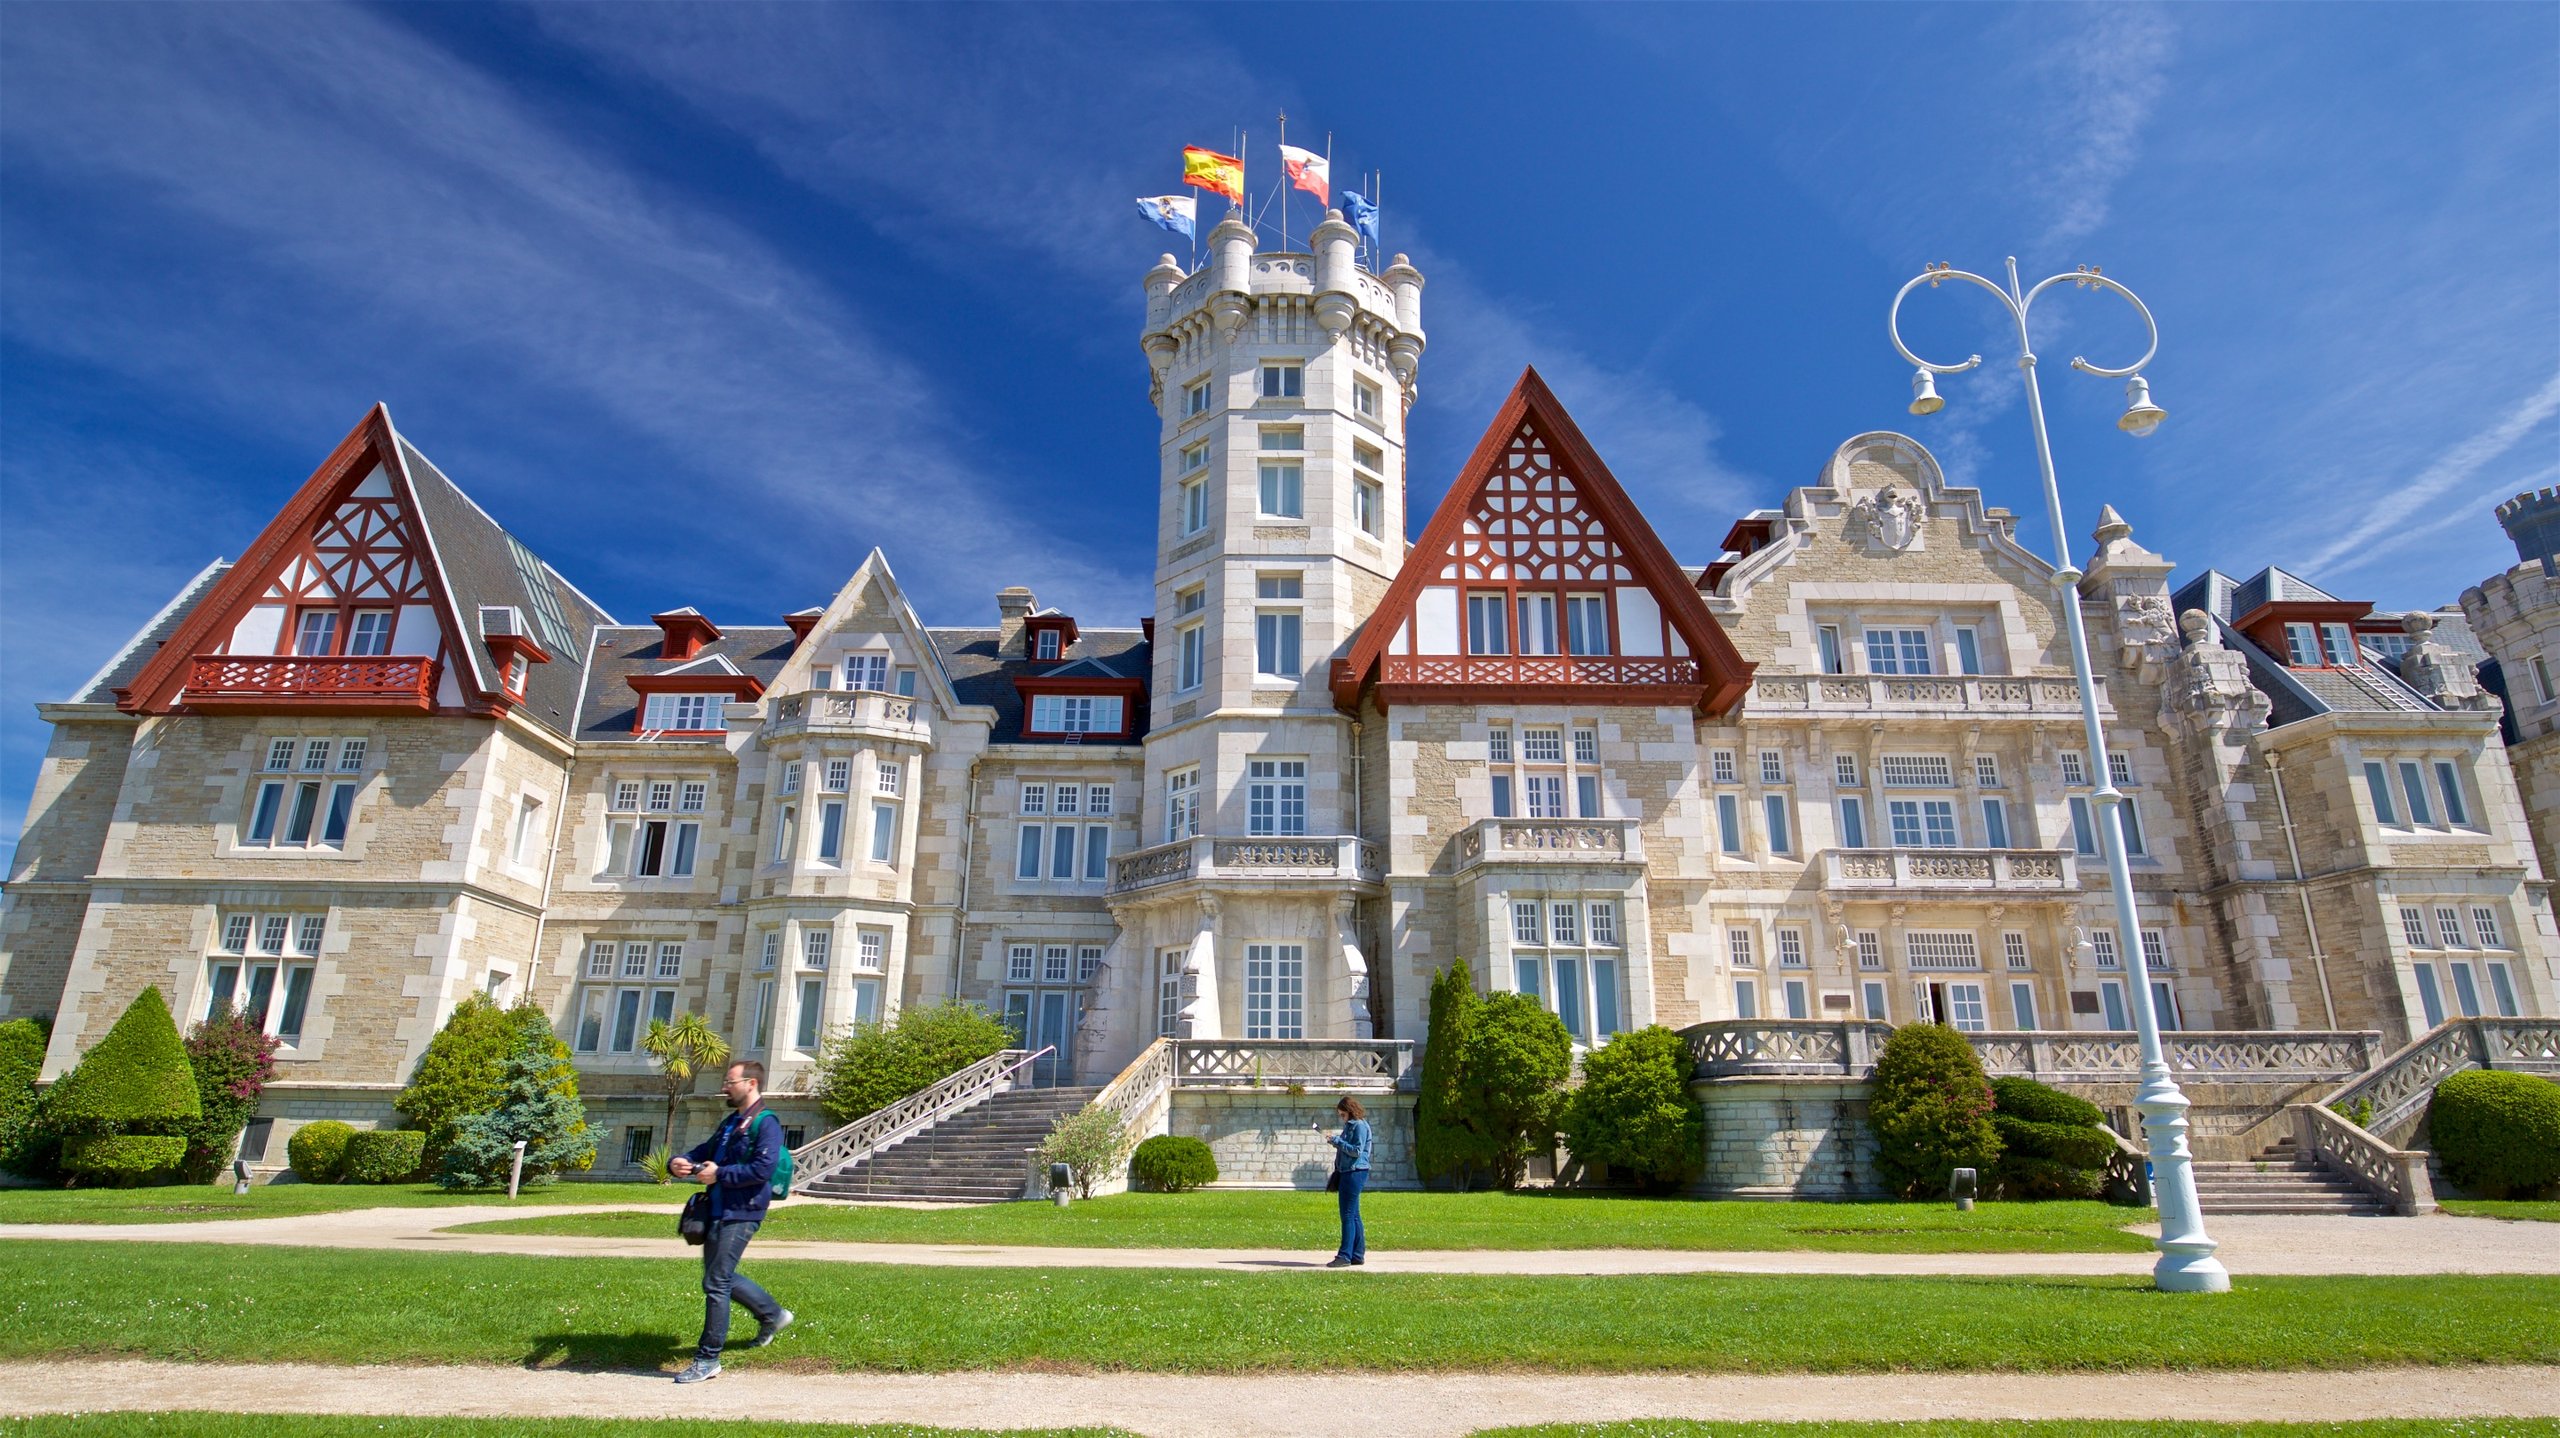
(2187, 1264)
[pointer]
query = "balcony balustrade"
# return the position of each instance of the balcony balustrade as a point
(856, 712)
(311, 684)
(1318, 860)
(1550, 841)
(1522, 669)
(1953, 872)
(1739, 1048)
(1969, 695)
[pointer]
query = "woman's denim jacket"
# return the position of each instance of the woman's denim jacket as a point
(1351, 1149)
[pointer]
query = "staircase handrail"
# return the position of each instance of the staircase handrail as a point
(2398, 1087)
(2397, 1176)
(2128, 1167)
(903, 1119)
(1141, 1094)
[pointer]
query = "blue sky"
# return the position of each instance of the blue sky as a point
(704, 303)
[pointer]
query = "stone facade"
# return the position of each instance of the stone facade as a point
(389, 758)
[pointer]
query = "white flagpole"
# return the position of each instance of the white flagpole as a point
(1284, 179)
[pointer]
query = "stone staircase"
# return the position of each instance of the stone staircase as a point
(2281, 1180)
(974, 1156)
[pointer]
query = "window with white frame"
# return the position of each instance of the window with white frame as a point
(302, 801)
(1986, 771)
(1047, 644)
(2418, 794)
(1833, 656)
(1916, 771)
(884, 832)
(1927, 949)
(1077, 713)
(1365, 399)
(1181, 803)
(2013, 947)
(1276, 630)
(1169, 992)
(789, 785)
(1275, 991)
(617, 999)
(1565, 954)
(1065, 836)
(1275, 797)
(2461, 961)
(1192, 650)
(647, 833)
(520, 847)
(1536, 771)
(1899, 651)
(1283, 379)
(867, 671)
(262, 964)
(2543, 691)
(2102, 943)
(2075, 770)
(1791, 954)
(682, 713)
(786, 835)
(1922, 823)
(1870, 947)
(888, 776)
(1738, 947)
(870, 948)
(771, 952)
(1283, 474)
(1195, 398)
(838, 776)
(1773, 767)
(1369, 490)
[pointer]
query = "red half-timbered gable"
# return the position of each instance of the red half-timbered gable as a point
(1537, 581)
(336, 608)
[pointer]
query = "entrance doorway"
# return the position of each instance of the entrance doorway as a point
(1046, 1018)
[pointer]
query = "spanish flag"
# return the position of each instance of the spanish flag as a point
(1211, 171)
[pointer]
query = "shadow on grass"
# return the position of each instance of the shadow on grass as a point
(607, 1352)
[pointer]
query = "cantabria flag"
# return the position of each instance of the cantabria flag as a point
(1211, 171)
(1177, 213)
(1308, 171)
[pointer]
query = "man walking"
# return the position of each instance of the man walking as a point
(736, 1164)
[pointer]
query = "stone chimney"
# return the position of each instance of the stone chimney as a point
(1013, 605)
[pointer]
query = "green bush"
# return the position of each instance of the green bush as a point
(1634, 1111)
(123, 1158)
(1092, 1142)
(2497, 1133)
(1930, 1110)
(870, 1066)
(2052, 1144)
(382, 1155)
(1170, 1163)
(538, 1103)
(459, 1073)
(22, 1044)
(135, 1082)
(1444, 1147)
(1511, 1076)
(233, 1058)
(318, 1151)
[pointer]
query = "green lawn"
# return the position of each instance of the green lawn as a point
(217, 1302)
(1238, 1219)
(197, 1203)
(238, 1425)
(2541, 1210)
(295, 1426)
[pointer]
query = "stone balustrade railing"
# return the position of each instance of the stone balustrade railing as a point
(829, 711)
(909, 1116)
(1323, 858)
(1541, 841)
(1362, 1064)
(2398, 1089)
(1737, 1048)
(2398, 1176)
(2037, 696)
(1963, 871)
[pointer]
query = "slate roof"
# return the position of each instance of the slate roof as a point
(2292, 694)
(978, 676)
(485, 565)
(623, 650)
(137, 651)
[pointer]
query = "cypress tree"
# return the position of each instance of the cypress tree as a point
(1443, 1145)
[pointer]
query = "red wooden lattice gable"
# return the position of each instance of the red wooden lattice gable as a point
(1536, 511)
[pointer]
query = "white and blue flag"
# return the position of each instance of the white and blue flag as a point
(1173, 212)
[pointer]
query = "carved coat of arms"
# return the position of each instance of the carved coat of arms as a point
(1890, 521)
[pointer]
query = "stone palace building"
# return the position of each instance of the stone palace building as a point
(388, 757)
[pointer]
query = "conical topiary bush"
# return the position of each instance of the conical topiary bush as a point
(121, 1107)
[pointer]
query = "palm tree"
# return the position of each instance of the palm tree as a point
(682, 1049)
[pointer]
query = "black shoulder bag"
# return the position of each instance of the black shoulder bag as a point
(693, 1224)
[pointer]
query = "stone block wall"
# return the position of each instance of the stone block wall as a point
(1786, 1138)
(1262, 1139)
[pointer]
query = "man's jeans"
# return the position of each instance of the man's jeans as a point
(1355, 1236)
(721, 1250)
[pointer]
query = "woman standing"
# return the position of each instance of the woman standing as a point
(1350, 1175)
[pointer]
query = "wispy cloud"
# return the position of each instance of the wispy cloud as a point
(2101, 85)
(2385, 527)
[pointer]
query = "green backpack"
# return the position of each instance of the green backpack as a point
(781, 1186)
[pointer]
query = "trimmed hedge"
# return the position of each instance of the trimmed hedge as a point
(2052, 1145)
(136, 1077)
(318, 1151)
(1634, 1111)
(382, 1155)
(123, 1158)
(22, 1043)
(1170, 1163)
(2497, 1133)
(1930, 1109)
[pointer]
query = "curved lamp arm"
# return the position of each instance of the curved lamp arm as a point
(1934, 276)
(2090, 279)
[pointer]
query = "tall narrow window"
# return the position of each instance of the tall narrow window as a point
(1968, 652)
(1275, 991)
(2378, 786)
(1488, 627)
(1781, 841)
(2449, 780)
(1729, 822)
(2302, 646)
(1853, 823)
(1537, 624)
(1833, 661)
(1283, 489)
(1995, 824)
(884, 833)
(830, 832)
(1181, 804)
(1587, 623)
(2420, 812)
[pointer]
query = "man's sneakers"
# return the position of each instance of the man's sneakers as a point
(700, 1370)
(769, 1330)
(1340, 1262)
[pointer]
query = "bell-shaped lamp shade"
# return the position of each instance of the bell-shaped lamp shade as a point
(2141, 416)
(1924, 393)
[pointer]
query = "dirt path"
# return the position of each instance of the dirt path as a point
(2307, 1245)
(1161, 1406)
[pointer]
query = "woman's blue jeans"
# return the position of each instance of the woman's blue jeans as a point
(1355, 1238)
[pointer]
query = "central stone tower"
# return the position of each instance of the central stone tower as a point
(1282, 379)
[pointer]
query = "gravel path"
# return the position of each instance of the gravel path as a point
(1161, 1406)
(2305, 1245)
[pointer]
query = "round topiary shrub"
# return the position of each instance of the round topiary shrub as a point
(2052, 1145)
(318, 1151)
(121, 1158)
(1930, 1110)
(1634, 1111)
(384, 1155)
(1170, 1163)
(2497, 1133)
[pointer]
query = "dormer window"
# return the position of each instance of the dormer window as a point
(1076, 714)
(683, 713)
(2342, 644)
(2302, 646)
(518, 667)
(1045, 644)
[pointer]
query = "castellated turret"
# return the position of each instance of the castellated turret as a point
(2533, 522)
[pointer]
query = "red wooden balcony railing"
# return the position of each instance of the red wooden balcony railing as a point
(1537, 669)
(311, 683)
